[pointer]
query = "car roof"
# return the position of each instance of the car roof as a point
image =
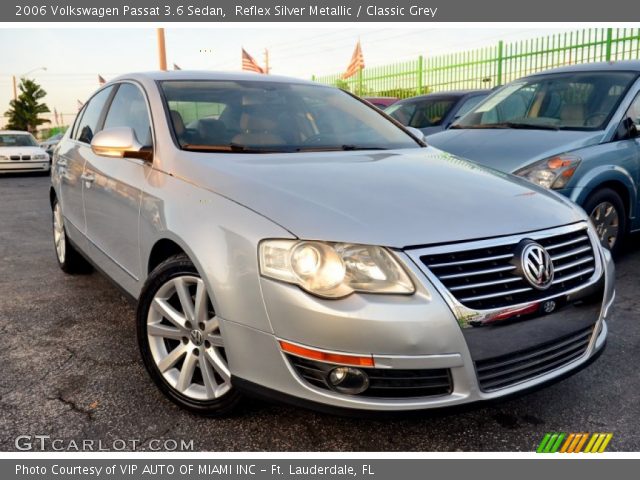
(619, 66)
(208, 75)
(14, 132)
(447, 93)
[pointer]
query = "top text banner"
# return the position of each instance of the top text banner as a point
(317, 11)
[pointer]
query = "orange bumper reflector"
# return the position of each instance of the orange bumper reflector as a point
(325, 356)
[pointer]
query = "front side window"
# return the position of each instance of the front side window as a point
(428, 112)
(570, 101)
(129, 109)
(261, 116)
(88, 124)
(17, 140)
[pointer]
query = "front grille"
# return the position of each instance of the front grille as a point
(505, 370)
(386, 383)
(15, 157)
(26, 157)
(485, 278)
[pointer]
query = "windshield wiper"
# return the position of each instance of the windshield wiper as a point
(338, 148)
(231, 148)
(515, 125)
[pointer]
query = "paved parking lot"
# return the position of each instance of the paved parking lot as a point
(70, 369)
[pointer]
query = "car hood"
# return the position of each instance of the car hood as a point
(21, 151)
(392, 198)
(510, 149)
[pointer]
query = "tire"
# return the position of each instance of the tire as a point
(69, 259)
(609, 216)
(182, 346)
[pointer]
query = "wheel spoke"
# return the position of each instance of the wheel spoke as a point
(170, 360)
(215, 340)
(211, 325)
(201, 302)
(186, 373)
(164, 331)
(185, 298)
(208, 377)
(167, 311)
(218, 363)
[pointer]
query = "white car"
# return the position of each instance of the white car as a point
(19, 152)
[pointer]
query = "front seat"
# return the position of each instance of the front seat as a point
(258, 128)
(573, 115)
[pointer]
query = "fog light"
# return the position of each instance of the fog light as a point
(348, 380)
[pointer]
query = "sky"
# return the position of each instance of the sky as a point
(74, 57)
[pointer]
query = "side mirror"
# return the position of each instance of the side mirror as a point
(627, 129)
(119, 142)
(417, 133)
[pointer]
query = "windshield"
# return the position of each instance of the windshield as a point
(574, 101)
(17, 140)
(264, 117)
(427, 112)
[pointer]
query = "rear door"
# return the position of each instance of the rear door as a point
(113, 191)
(69, 165)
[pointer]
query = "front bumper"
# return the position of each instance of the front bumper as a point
(19, 166)
(416, 332)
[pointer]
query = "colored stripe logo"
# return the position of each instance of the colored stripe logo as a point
(574, 443)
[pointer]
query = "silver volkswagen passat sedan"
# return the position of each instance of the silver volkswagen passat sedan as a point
(286, 239)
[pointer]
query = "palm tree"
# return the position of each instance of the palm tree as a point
(24, 112)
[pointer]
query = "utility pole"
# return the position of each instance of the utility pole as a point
(266, 61)
(162, 52)
(15, 88)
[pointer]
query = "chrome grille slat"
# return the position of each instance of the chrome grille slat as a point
(485, 284)
(482, 275)
(478, 272)
(568, 242)
(474, 260)
(575, 263)
(570, 253)
(586, 271)
(494, 295)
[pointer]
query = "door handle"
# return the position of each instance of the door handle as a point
(88, 177)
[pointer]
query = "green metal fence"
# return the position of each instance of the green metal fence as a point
(491, 66)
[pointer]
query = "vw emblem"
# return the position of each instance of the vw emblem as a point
(196, 337)
(536, 265)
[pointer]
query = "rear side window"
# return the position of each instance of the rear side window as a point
(88, 125)
(129, 109)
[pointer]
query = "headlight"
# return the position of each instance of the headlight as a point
(40, 156)
(554, 172)
(333, 270)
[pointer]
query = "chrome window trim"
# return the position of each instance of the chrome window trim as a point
(465, 315)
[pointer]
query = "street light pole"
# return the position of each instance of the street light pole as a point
(15, 88)
(162, 53)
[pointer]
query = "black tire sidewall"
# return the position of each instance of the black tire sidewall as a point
(611, 196)
(174, 267)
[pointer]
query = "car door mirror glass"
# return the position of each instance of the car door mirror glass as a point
(119, 142)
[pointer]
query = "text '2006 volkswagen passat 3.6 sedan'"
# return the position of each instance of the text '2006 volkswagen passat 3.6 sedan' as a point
(287, 239)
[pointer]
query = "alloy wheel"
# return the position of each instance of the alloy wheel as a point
(607, 222)
(59, 236)
(185, 339)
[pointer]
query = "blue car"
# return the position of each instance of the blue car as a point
(435, 112)
(572, 129)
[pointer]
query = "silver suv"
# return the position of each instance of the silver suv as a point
(287, 239)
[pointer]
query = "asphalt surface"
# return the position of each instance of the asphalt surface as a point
(71, 370)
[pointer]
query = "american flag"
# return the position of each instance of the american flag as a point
(356, 64)
(80, 105)
(55, 116)
(248, 63)
(101, 80)
(176, 67)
